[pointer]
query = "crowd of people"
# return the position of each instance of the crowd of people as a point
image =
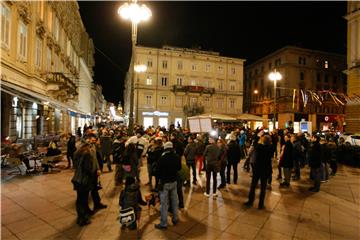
(176, 158)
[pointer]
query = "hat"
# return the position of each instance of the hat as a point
(242, 131)
(168, 145)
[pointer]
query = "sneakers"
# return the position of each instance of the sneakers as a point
(215, 195)
(247, 204)
(175, 222)
(158, 226)
(206, 195)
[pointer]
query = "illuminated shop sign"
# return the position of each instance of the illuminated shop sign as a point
(156, 113)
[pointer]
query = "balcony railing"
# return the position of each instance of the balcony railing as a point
(195, 89)
(59, 84)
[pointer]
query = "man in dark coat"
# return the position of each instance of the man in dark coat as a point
(287, 161)
(315, 162)
(262, 169)
(211, 155)
(168, 167)
(190, 154)
(233, 157)
(106, 149)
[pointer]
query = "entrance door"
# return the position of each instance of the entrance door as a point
(163, 122)
(148, 121)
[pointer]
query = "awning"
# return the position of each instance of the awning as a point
(39, 98)
(214, 116)
(249, 117)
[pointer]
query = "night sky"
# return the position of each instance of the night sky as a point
(248, 30)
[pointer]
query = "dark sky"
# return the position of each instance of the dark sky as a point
(247, 30)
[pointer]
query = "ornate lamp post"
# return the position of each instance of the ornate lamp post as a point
(136, 14)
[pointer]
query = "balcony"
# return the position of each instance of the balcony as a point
(60, 86)
(193, 89)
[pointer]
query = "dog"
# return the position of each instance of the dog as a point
(152, 199)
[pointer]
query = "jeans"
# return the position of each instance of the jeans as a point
(324, 170)
(211, 169)
(168, 189)
(234, 166)
(255, 179)
(193, 166)
(107, 159)
(316, 176)
(287, 175)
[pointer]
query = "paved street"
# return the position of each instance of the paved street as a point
(43, 207)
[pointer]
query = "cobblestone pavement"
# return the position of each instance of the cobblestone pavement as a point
(43, 207)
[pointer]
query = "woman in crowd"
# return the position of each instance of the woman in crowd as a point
(71, 148)
(234, 156)
(154, 153)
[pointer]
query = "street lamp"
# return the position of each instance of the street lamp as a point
(275, 76)
(135, 13)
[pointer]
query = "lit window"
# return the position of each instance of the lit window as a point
(38, 52)
(220, 69)
(326, 65)
(148, 100)
(22, 41)
(163, 100)
(179, 81)
(193, 100)
(164, 81)
(164, 64)
(232, 85)
(193, 82)
(148, 80)
(221, 85)
(5, 26)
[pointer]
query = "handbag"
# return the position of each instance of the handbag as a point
(127, 216)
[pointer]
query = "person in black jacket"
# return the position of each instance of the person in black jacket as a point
(168, 167)
(287, 161)
(262, 169)
(190, 154)
(154, 153)
(131, 197)
(315, 162)
(71, 148)
(233, 159)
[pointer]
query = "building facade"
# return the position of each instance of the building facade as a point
(180, 82)
(40, 67)
(353, 67)
(303, 71)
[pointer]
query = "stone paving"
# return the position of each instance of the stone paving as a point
(43, 207)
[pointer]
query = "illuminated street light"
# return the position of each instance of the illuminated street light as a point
(275, 76)
(136, 14)
(256, 91)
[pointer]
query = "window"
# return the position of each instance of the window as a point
(300, 60)
(193, 82)
(207, 67)
(193, 100)
(164, 81)
(149, 63)
(232, 103)
(163, 100)
(301, 75)
(164, 64)
(148, 99)
(221, 85)
(318, 77)
(232, 85)
(326, 64)
(56, 28)
(178, 101)
(207, 101)
(326, 78)
(5, 26)
(194, 67)
(220, 69)
(38, 52)
(233, 71)
(334, 79)
(180, 65)
(22, 42)
(148, 80)
(270, 65)
(179, 81)
(304, 61)
(220, 104)
(48, 59)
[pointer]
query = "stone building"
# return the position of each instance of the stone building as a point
(353, 67)
(41, 60)
(301, 69)
(179, 81)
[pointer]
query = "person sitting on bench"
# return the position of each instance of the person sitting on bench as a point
(52, 150)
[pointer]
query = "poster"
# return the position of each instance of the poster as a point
(205, 125)
(194, 125)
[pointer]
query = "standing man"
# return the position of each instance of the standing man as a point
(211, 155)
(106, 149)
(169, 165)
(234, 156)
(287, 161)
(190, 154)
(315, 162)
